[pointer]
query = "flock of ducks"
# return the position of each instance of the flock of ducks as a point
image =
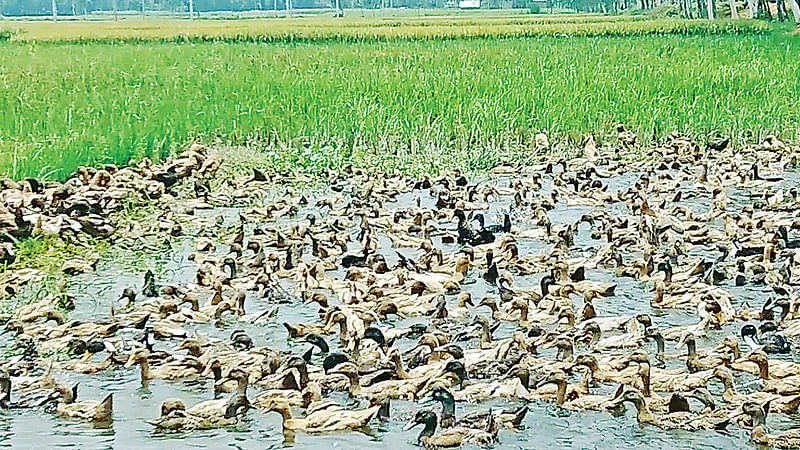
(392, 265)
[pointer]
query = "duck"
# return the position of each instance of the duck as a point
(323, 417)
(769, 340)
(87, 410)
(174, 416)
(695, 361)
(578, 401)
(759, 434)
(452, 437)
(508, 418)
(172, 370)
(784, 404)
(679, 420)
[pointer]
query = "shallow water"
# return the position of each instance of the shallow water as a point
(545, 424)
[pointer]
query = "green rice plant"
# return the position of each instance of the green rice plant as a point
(403, 104)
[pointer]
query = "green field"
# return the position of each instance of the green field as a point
(317, 95)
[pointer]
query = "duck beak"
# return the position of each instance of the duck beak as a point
(410, 425)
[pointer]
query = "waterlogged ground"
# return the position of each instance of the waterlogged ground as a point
(545, 425)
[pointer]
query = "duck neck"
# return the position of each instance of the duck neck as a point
(283, 410)
(763, 370)
(399, 369)
(644, 374)
(242, 387)
(523, 312)
(355, 387)
(643, 413)
(430, 428)
(145, 370)
(691, 348)
(659, 294)
(588, 311)
(561, 392)
(730, 389)
(564, 352)
(586, 381)
(486, 336)
(448, 407)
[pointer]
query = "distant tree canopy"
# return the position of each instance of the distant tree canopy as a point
(66, 7)
(82, 7)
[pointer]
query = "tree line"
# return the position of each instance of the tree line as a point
(685, 8)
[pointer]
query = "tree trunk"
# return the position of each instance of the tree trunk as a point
(55, 11)
(763, 10)
(142, 9)
(753, 8)
(710, 8)
(795, 10)
(734, 12)
(782, 14)
(191, 9)
(114, 5)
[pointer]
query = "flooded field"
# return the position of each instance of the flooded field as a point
(579, 206)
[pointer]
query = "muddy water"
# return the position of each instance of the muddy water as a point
(545, 425)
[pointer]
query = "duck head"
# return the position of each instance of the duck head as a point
(214, 367)
(425, 417)
(631, 395)
(376, 335)
(137, 356)
(761, 360)
(238, 404)
(465, 299)
(456, 368)
(559, 377)
(588, 361)
(591, 333)
(749, 335)
(705, 397)
(333, 360)
(318, 341)
(171, 404)
(443, 396)
(688, 340)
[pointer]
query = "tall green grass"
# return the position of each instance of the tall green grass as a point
(327, 102)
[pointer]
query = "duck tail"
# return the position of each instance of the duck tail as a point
(106, 407)
(491, 425)
(293, 331)
(791, 406)
(722, 425)
(519, 415)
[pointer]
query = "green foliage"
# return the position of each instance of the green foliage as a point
(5, 33)
(402, 103)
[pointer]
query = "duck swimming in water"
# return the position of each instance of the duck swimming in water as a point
(452, 437)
